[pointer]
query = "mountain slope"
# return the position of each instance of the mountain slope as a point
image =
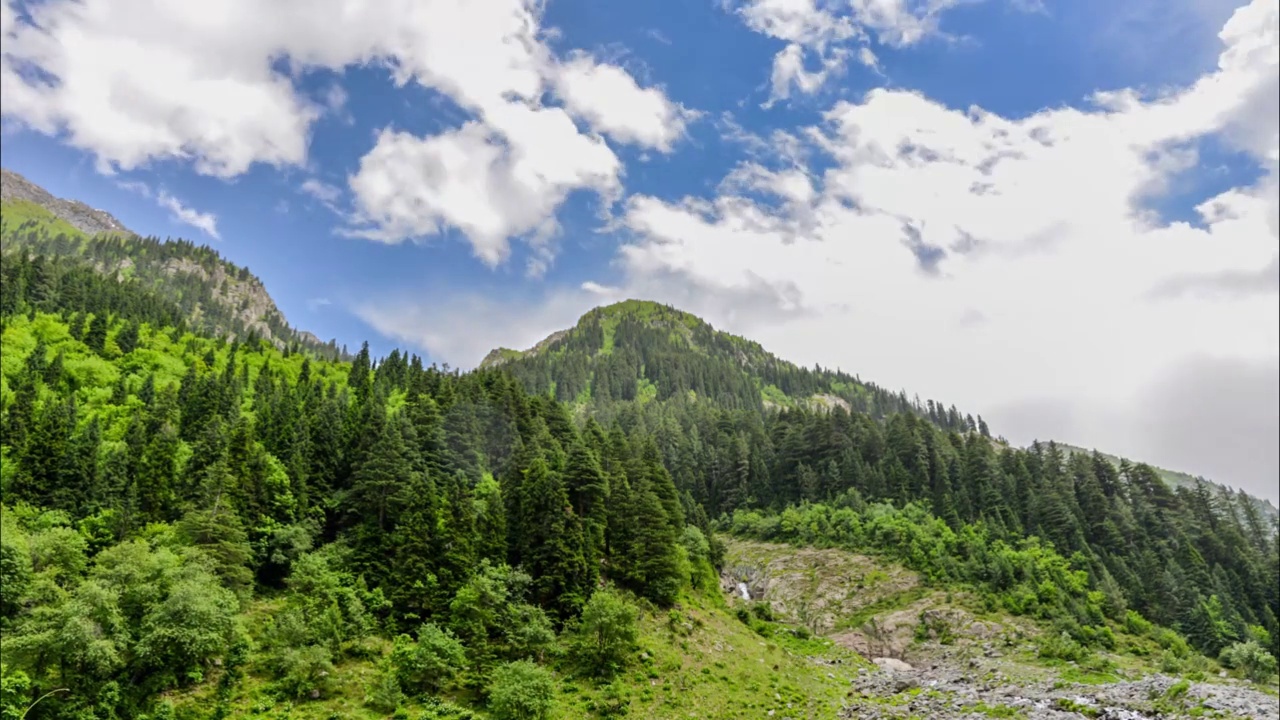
(16, 190)
(1172, 478)
(217, 297)
(642, 350)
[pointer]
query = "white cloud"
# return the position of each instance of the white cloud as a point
(471, 180)
(868, 58)
(205, 222)
(326, 194)
(789, 72)
(135, 81)
(179, 212)
(449, 331)
(611, 101)
(824, 30)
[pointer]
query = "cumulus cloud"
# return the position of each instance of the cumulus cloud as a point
(409, 186)
(611, 101)
(136, 81)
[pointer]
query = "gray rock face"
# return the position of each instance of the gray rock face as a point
(82, 217)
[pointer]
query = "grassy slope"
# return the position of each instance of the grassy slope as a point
(697, 661)
(701, 661)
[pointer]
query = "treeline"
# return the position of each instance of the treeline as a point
(213, 295)
(154, 481)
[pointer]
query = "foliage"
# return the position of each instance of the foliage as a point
(424, 665)
(521, 690)
(606, 633)
(1251, 659)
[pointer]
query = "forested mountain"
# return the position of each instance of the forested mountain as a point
(214, 295)
(196, 517)
(642, 351)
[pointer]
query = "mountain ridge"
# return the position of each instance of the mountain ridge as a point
(216, 294)
(16, 188)
(661, 315)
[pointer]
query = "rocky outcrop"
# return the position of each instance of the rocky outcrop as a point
(14, 187)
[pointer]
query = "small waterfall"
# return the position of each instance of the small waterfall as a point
(746, 592)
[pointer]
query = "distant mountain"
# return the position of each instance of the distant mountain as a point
(644, 351)
(641, 350)
(218, 297)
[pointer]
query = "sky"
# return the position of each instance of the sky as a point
(1064, 216)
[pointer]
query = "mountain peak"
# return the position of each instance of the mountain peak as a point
(643, 310)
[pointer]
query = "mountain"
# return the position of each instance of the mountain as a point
(642, 350)
(216, 296)
(16, 190)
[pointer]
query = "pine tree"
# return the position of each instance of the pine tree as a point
(588, 494)
(554, 553)
(96, 336)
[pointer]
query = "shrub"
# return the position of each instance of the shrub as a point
(1135, 624)
(1062, 647)
(521, 690)
(424, 665)
(606, 633)
(384, 694)
(1250, 658)
(305, 672)
(762, 610)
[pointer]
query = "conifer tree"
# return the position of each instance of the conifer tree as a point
(554, 554)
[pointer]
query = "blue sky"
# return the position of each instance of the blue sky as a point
(454, 177)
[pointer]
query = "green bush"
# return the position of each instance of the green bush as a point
(521, 690)
(1135, 624)
(1062, 647)
(762, 610)
(1251, 659)
(606, 633)
(424, 665)
(305, 672)
(384, 694)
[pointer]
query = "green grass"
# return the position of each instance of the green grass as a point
(696, 661)
(15, 213)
